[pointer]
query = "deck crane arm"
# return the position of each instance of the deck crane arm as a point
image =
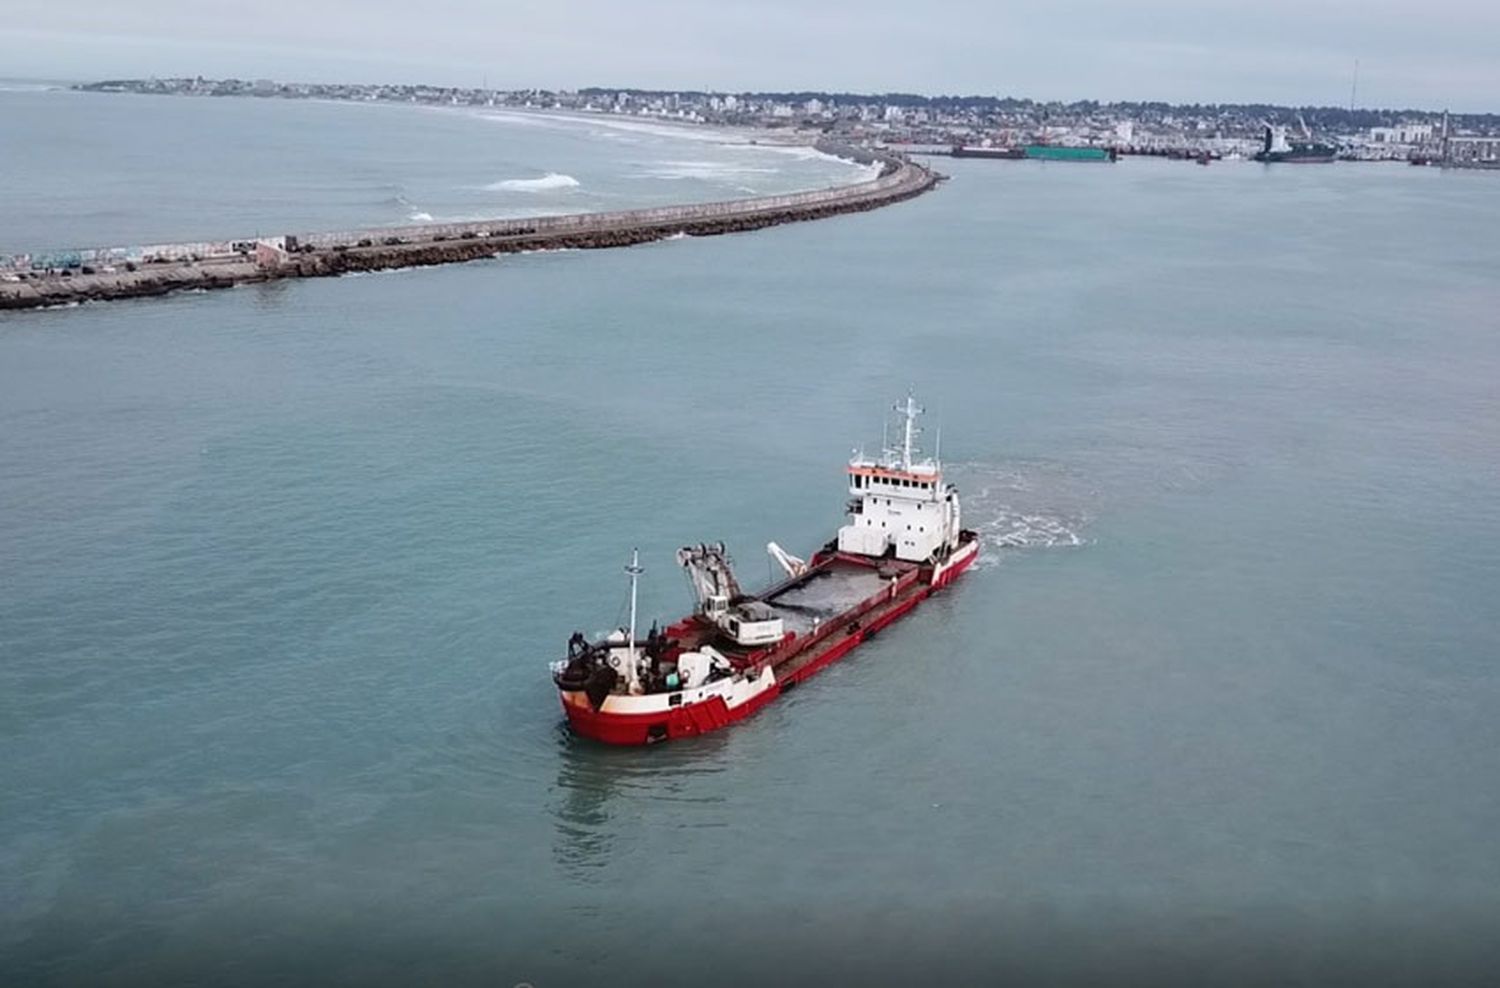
(707, 565)
(793, 565)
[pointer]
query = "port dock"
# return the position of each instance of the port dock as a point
(37, 281)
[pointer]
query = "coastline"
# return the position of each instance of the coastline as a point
(184, 267)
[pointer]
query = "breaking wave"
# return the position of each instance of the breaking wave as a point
(550, 182)
(802, 152)
(707, 170)
(407, 207)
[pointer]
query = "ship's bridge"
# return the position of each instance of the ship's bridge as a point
(921, 480)
(899, 500)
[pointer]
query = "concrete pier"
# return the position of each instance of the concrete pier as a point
(179, 267)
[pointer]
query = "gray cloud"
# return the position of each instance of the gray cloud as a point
(1441, 53)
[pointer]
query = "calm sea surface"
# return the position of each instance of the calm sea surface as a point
(281, 568)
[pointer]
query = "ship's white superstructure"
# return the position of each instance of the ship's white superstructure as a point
(900, 500)
(1276, 142)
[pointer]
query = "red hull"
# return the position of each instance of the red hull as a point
(683, 722)
(700, 718)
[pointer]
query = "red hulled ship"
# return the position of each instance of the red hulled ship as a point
(737, 651)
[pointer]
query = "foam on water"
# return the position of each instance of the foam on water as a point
(705, 170)
(550, 182)
(407, 208)
(804, 152)
(607, 127)
(1023, 506)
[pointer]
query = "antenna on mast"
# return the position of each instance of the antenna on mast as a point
(632, 674)
(911, 410)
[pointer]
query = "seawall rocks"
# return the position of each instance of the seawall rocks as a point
(332, 254)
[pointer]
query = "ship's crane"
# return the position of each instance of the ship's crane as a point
(707, 565)
(792, 564)
(720, 600)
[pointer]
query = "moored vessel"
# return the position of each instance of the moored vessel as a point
(1006, 153)
(1060, 152)
(903, 541)
(1275, 148)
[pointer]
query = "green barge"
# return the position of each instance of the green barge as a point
(1054, 152)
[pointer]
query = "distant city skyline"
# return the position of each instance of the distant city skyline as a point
(1439, 54)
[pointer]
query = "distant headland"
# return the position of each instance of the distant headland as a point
(913, 119)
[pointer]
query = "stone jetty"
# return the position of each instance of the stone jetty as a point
(104, 275)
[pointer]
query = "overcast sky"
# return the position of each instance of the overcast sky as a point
(1434, 54)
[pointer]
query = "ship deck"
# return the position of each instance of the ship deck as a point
(830, 590)
(809, 605)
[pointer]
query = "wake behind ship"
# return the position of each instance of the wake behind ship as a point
(737, 651)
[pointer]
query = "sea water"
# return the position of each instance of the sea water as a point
(282, 567)
(80, 169)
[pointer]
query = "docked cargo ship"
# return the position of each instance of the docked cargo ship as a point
(1277, 149)
(982, 151)
(1059, 152)
(1035, 152)
(738, 651)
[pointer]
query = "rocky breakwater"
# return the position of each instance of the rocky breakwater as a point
(185, 267)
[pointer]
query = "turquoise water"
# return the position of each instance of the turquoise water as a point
(283, 567)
